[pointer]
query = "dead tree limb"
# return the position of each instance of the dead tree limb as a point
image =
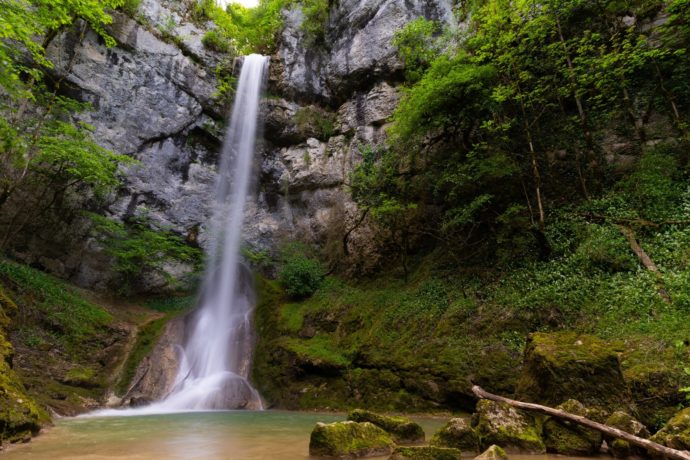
(647, 261)
(605, 429)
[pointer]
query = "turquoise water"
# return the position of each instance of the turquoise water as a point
(234, 435)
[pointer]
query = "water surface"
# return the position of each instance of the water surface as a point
(230, 435)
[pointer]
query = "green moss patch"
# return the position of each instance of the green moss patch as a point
(343, 439)
(403, 429)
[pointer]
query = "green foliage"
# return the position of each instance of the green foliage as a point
(72, 319)
(31, 24)
(417, 47)
(322, 123)
(300, 275)
(215, 42)
(240, 30)
(139, 245)
(131, 7)
(171, 304)
(316, 15)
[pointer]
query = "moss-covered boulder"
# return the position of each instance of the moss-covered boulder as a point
(402, 429)
(500, 424)
(653, 373)
(676, 433)
(457, 433)
(349, 439)
(562, 365)
(425, 453)
(493, 453)
(20, 416)
(620, 448)
(561, 437)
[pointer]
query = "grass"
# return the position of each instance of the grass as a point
(70, 318)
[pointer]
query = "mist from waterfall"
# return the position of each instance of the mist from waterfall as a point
(216, 357)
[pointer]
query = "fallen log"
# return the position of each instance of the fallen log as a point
(608, 430)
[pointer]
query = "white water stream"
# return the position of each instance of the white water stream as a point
(216, 356)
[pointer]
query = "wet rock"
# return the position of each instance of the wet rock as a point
(561, 365)
(457, 433)
(403, 429)
(493, 453)
(562, 437)
(507, 427)
(676, 432)
(155, 376)
(425, 453)
(349, 439)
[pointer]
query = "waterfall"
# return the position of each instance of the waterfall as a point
(216, 357)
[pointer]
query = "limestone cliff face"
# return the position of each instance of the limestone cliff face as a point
(153, 98)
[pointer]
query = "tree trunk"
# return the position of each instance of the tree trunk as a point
(608, 430)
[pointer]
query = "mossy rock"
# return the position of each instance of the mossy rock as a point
(493, 453)
(567, 438)
(562, 365)
(403, 429)
(425, 453)
(676, 433)
(457, 433)
(349, 439)
(507, 427)
(653, 376)
(620, 448)
(20, 416)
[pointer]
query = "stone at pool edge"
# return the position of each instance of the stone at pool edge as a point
(513, 430)
(493, 453)
(620, 448)
(426, 453)
(458, 434)
(349, 439)
(567, 438)
(403, 430)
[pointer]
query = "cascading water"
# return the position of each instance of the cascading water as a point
(216, 356)
(215, 359)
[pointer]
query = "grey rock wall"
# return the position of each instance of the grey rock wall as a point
(153, 99)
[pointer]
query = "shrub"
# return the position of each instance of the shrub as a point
(214, 41)
(131, 7)
(301, 276)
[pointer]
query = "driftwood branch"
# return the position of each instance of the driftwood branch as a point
(608, 430)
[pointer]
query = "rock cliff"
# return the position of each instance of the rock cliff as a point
(154, 98)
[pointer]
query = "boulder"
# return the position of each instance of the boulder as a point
(620, 448)
(567, 438)
(20, 416)
(493, 453)
(349, 439)
(653, 378)
(561, 365)
(457, 433)
(402, 429)
(425, 453)
(676, 432)
(507, 427)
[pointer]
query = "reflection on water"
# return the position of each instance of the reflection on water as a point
(233, 435)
